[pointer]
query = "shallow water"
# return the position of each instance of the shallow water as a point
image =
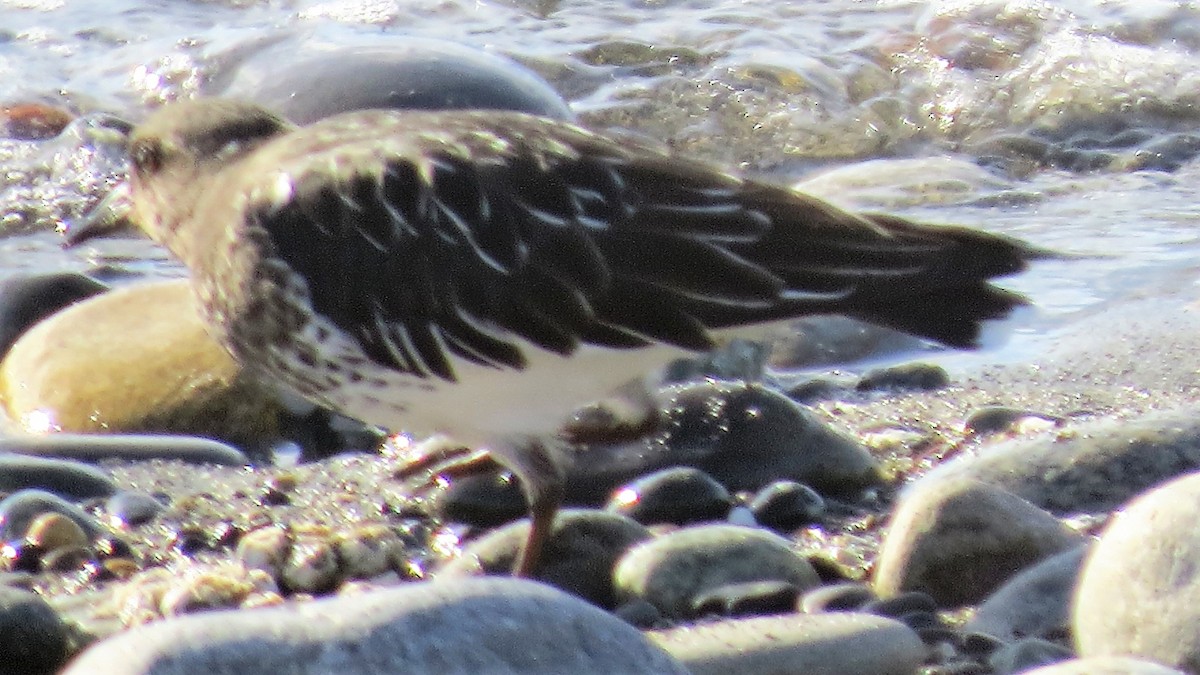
(1070, 124)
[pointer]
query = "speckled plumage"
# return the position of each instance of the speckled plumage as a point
(483, 273)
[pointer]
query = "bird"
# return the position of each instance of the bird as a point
(483, 274)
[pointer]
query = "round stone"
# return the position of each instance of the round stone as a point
(316, 81)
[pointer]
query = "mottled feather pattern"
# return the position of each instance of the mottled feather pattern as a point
(465, 236)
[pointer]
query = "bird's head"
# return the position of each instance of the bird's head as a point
(173, 156)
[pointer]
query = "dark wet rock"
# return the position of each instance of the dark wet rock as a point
(959, 540)
(1104, 665)
(1023, 655)
(579, 558)
(32, 121)
(675, 569)
(910, 376)
(786, 505)
(482, 500)
(97, 448)
(33, 639)
(1166, 153)
(465, 626)
(20, 509)
(1094, 468)
(746, 599)
(980, 645)
(818, 644)
(79, 371)
(679, 495)
(842, 597)
(901, 604)
(1139, 590)
(744, 436)
(25, 300)
(994, 419)
(68, 479)
(819, 389)
(306, 81)
(1034, 603)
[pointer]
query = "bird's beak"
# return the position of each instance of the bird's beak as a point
(111, 214)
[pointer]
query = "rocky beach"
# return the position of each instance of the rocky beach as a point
(856, 501)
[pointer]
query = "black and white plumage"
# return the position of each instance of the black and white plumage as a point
(484, 273)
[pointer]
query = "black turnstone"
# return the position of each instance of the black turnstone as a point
(483, 273)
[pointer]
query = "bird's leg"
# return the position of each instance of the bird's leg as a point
(537, 466)
(442, 456)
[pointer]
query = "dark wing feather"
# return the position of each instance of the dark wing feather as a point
(560, 238)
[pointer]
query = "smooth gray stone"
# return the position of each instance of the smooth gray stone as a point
(74, 480)
(1139, 590)
(959, 540)
(672, 571)
(1100, 466)
(465, 626)
(133, 447)
(584, 546)
(809, 644)
(314, 80)
(1036, 602)
(1105, 665)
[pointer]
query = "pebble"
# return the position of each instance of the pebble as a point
(841, 597)
(96, 448)
(172, 378)
(368, 550)
(1035, 603)
(786, 505)
(673, 570)
(51, 531)
(480, 499)
(308, 80)
(26, 300)
(311, 565)
(20, 509)
(160, 592)
(579, 558)
(1088, 468)
(994, 419)
(130, 508)
(32, 121)
(818, 644)
(910, 376)
(466, 626)
(33, 639)
(959, 540)
(679, 495)
(1139, 590)
(68, 479)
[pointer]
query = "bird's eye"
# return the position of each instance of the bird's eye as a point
(147, 156)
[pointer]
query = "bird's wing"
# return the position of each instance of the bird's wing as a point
(500, 228)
